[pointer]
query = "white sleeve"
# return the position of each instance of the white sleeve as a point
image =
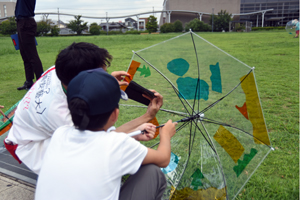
(133, 154)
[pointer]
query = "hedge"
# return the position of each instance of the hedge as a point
(268, 28)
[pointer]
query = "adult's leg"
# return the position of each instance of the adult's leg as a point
(21, 28)
(149, 183)
(32, 63)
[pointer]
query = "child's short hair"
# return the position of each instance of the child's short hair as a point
(79, 57)
(92, 96)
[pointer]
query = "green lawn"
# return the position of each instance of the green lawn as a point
(275, 56)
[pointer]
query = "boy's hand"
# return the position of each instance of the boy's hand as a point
(2, 113)
(120, 75)
(168, 129)
(148, 134)
(155, 103)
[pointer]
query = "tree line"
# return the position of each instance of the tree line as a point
(218, 22)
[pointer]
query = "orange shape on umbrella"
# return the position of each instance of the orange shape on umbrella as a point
(243, 110)
(132, 69)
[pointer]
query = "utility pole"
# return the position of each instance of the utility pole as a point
(153, 10)
(212, 23)
(58, 17)
(106, 24)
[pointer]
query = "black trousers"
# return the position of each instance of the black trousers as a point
(148, 183)
(26, 34)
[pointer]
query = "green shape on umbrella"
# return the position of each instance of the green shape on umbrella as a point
(197, 176)
(144, 71)
(242, 164)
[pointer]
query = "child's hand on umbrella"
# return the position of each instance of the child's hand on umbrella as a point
(149, 132)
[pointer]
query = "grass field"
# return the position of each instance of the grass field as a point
(275, 56)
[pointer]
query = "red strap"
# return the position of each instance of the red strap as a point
(11, 148)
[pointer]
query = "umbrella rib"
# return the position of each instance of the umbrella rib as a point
(178, 129)
(187, 162)
(213, 104)
(196, 125)
(190, 140)
(198, 81)
(177, 92)
(228, 125)
(175, 89)
(161, 109)
(163, 42)
(217, 157)
(221, 50)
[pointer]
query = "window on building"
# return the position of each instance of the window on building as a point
(5, 11)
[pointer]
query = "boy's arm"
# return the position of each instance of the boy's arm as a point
(161, 156)
(153, 108)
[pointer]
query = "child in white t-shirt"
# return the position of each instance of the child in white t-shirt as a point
(87, 160)
(44, 107)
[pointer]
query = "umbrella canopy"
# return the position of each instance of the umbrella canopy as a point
(221, 137)
(6, 123)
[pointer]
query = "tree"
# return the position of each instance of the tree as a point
(151, 25)
(77, 25)
(9, 27)
(55, 31)
(167, 28)
(178, 26)
(197, 25)
(221, 21)
(43, 27)
(95, 29)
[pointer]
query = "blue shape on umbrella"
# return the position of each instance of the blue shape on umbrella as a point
(215, 78)
(172, 165)
(187, 88)
(178, 66)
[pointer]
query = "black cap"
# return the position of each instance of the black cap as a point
(98, 89)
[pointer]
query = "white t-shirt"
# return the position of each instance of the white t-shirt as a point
(87, 165)
(42, 110)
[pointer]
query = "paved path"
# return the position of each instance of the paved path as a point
(15, 189)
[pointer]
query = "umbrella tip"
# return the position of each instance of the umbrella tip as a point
(191, 30)
(272, 149)
(253, 68)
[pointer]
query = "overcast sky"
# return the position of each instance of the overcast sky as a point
(97, 8)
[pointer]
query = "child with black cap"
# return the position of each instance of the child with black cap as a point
(87, 160)
(44, 108)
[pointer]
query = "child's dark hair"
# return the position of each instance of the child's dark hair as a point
(79, 57)
(82, 120)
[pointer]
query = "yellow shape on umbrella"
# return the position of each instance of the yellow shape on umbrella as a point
(229, 143)
(254, 110)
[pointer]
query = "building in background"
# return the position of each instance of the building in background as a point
(260, 12)
(283, 11)
(130, 23)
(114, 26)
(142, 23)
(7, 8)
(188, 10)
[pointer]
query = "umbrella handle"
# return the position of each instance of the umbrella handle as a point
(134, 133)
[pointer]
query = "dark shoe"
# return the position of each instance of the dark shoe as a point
(27, 85)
